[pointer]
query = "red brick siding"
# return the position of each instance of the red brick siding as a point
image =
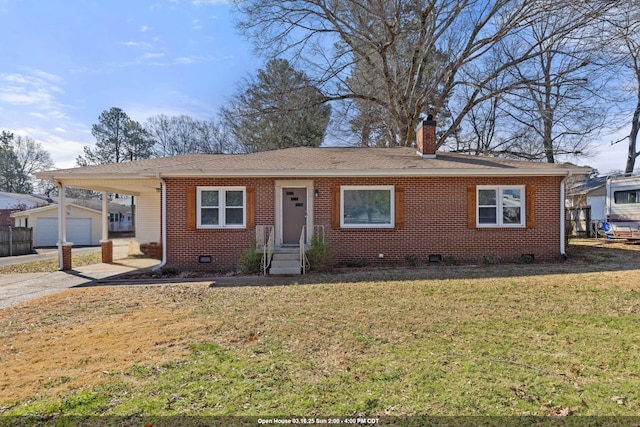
(435, 222)
(224, 246)
(5, 218)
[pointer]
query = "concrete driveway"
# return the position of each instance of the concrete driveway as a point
(17, 288)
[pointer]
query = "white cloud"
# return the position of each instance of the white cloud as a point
(152, 55)
(144, 29)
(141, 45)
(35, 89)
(209, 2)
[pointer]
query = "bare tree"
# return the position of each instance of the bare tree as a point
(179, 135)
(31, 157)
(622, 30)
(424, 51)
(558, 101)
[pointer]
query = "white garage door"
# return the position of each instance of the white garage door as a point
(78, 231)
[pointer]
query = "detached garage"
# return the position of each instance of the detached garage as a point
(83, 225)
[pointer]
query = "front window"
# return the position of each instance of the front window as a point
(367, 207)
(500, 206)
(221, 207)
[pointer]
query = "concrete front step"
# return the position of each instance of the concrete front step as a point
(276, 271)
(285, 262)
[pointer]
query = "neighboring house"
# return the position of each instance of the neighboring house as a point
(591, 192)
(374, 204)
(83, 225)
(119, 211)
(13, 202)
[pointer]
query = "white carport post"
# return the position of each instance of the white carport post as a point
(106, 245)
(64, 248)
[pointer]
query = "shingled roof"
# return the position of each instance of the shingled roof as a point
(318, 161)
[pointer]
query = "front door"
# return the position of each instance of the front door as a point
(294, 214)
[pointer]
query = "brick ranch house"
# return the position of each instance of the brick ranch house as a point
(205, 211)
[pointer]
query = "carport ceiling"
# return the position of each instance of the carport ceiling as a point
(134, 187)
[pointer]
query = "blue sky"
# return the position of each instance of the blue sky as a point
(63, 62)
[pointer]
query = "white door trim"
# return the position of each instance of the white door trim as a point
(293, 183)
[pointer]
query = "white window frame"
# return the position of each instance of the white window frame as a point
(499, 189)
(221, 208)
(391, 189)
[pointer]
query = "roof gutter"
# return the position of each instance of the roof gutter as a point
(163, 226)
(368, 173)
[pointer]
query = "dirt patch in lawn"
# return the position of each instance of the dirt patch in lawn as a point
(82, 338)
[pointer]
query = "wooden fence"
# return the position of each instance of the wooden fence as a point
(16, 241)
(578, 222)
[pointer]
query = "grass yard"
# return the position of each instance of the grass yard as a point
(521, 339)
(51, 265)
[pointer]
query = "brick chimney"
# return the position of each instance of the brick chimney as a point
(426, 138)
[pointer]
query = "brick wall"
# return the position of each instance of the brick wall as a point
(184, 247)
(5, 218)
(435, 222)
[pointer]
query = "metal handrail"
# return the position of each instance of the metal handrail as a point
(303, 253)
(265, 240)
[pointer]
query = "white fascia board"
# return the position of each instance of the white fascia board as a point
(311, 173)
(374, 173)
(81, 176)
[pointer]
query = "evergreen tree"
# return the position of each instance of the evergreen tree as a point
(280, 108)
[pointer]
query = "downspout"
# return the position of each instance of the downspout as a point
(163, 224)
(562, 215)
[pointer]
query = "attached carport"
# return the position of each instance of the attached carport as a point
(148, 217)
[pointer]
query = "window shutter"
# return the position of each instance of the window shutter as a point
(399, 207)
(531, 206)
(251, 207)
(191, 208)
(335, 208)
(471, 206)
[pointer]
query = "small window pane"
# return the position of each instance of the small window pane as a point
(209, 198)
(511, 215)
(233, 198)
(487, 216)
(234, 216)
(487, 197)
(511, 197)
(367, 207)
(209, 216)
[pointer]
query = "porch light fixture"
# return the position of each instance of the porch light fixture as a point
(316, 192)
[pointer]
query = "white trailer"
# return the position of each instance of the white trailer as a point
(623, 207)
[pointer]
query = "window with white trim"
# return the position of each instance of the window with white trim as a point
(367, 206)
(500, 206)
(221, 207)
